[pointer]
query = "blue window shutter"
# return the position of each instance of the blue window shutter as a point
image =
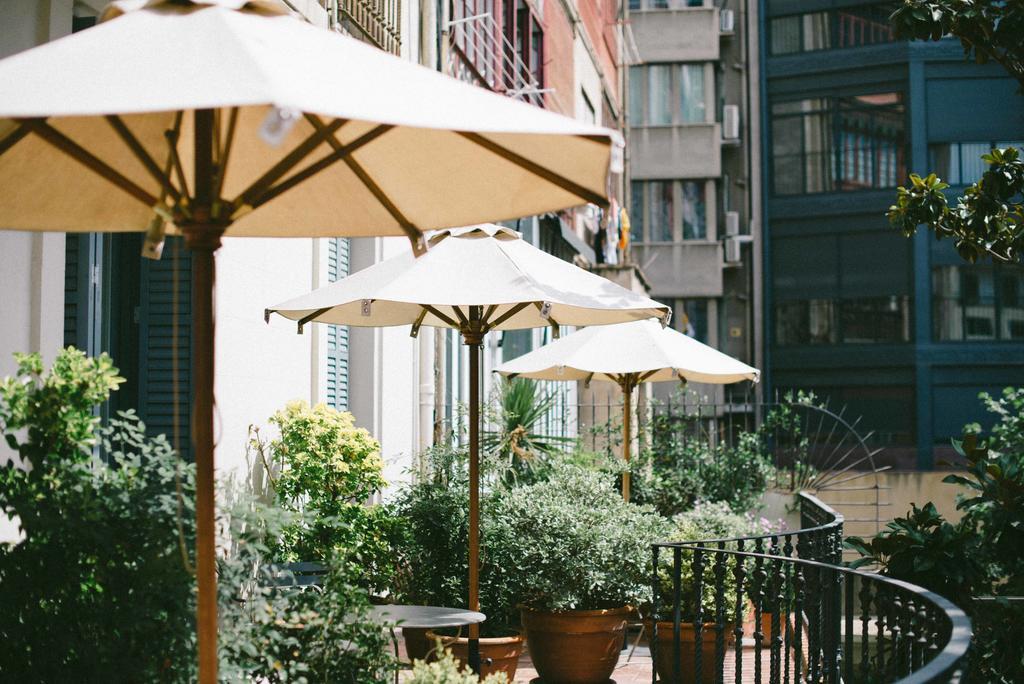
(164, 295)
(337, 335)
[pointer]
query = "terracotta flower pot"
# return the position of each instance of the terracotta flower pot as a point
(575, 646)
(497, 654)
(664, 655)
(767, 634)
(417, 644)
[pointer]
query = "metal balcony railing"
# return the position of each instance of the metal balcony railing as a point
(480, 53)
(778, 608)
(379, 21)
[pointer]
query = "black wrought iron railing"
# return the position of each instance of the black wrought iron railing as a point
(780, 609)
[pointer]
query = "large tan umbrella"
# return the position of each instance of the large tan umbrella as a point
(629, 354)
(216, 117)
(474, 280)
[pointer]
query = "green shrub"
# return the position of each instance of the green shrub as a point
(707, 521)
(432, 548)
(981, 554)
(329, 469)
(272, 634)
(569, 543)
(445, 670)
(99, 587)
(676, 472)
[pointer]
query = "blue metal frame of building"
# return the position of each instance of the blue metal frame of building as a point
(919, 392)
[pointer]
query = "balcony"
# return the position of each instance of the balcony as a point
(688, 151)
(688, 34)
(480, 53)
(378, 22)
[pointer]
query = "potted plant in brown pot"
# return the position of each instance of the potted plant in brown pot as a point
(576, 557)
(707, 521)
(433, 551)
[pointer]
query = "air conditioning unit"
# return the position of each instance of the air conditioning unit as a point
(731, 122)
(732, 223)
(727, 21)
(733, 250)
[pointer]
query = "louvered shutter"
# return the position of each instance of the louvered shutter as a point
(161, 295)
(337, 335)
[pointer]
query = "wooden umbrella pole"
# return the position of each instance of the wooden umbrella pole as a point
(627, 437)
(473, 339)
(202, 236)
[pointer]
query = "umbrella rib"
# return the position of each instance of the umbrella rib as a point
(306, 319)
(647, 375)
(507, 315)
(535, 168)
(225, 151)
(414, 234)
(173, 135)
(286, 164)
(69, 147)
(440, 315)
(461, 316)
(487, 315)
(11, 140)
(119, 126)
(319, 166)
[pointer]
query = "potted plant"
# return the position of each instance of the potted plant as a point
(433, 557)
(706, 521)
(575, 557)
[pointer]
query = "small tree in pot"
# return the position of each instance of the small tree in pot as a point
(575, 556)
(717, 599)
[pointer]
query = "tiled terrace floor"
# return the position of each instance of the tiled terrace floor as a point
(638, 668)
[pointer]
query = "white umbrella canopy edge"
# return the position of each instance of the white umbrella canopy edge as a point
(455, 137)
(514, 284)
(646, 349)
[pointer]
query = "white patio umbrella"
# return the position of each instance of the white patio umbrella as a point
(213, 117)
(475, 280)
(629, 354)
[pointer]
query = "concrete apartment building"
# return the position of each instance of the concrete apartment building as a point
(695, 170)
(903, 332)
(95, 292)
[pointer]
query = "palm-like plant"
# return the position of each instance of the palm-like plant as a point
(517, 441)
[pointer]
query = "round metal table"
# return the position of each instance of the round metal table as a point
(423, 617)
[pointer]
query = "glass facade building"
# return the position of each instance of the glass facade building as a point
(901, 331)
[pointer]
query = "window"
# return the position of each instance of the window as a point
(667, 209)
(336, 385)
(960, 163)
(844, 143)
(667, 94)
(841, 28)
(525, 33)
(980, 302)
(637, 5)
(860, 320)
(659, 94)
(690, 317)
(661, 216)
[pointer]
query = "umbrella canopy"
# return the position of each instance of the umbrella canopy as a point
(209, 116)
(381, 146)
(486, 266)
(644, 349)
(628, 354)
(475, 280)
